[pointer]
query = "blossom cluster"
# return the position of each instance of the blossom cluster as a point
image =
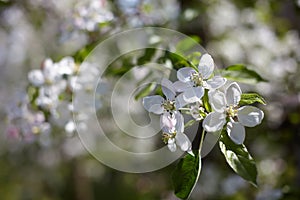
(187, 94)
(47, 101)
(23, 123)
(90, 15)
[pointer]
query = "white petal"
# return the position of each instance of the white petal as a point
(250, 116)
(153, 104)
(233, 94)
(180, 102)
(183, 141)
(179, 122)
(66, 66)
(214, 121)
(215, 82)
(70, 127)
(181, 86)
(217, 101)
(172, 145)
(184, 74)
(36, 77)
(206, 66)
(236, 132)
(193, 94)
(168, 89)
(167, 122)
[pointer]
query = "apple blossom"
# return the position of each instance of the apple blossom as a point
(173, 132)
(226, 108)
(192, 83)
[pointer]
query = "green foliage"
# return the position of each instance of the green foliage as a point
(80, 55)
(194, 58)
(186, 45)
(145, 91)
(205, 101)
(147, 56)
(189, 123)
(185, 175)
(33, 93)
(239, 159)
(241, 73)
(177, 60)
(250, 98)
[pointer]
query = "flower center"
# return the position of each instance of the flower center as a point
(198, 112)
(167, 136)
(232, 111)
(169, 105)
(35, 130)
(197, 79)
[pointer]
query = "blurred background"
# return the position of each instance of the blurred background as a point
(262, 34)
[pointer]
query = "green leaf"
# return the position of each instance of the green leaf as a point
(177, 60)
(194, 57)
(33, 93)
(149, 53)
(238, 159)
(250, 98)
(145, 91)
(80, 55)
(242, 74)
(189, 123)
(205, 101)
(185, 175)
(186, 45)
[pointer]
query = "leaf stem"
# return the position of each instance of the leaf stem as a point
(201, 142)
(199, 154)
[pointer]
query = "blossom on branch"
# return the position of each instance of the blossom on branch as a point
(226, 110)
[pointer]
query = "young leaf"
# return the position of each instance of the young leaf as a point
(80, 55)
(205, 101)
(239, 159)
(33, 93)
(250, 98)
(242, 74)
(185, 175)
(194, 58)
(186, 45)
(145, 91)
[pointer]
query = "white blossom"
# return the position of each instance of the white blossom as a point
(226, 106)
(197, 111)
(192, 83)
(173, 133)
(89, 16)
(162, 106)
(36, 77)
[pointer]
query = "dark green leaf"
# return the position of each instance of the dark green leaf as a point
(238, 159)
(145, 91)
(177, 60)
(185, 175)
(250, 98)
(80, 55)
(242, 74)
(149, 53)
(120, 66)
